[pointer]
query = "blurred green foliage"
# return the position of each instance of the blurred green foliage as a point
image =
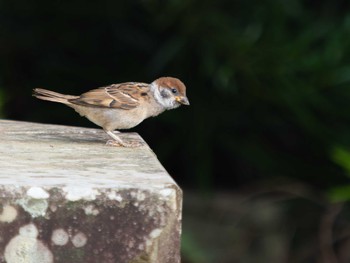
(268, 82)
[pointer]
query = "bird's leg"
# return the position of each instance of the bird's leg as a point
(116, 140)
(119, 142)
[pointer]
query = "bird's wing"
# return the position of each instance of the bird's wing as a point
(118, 96)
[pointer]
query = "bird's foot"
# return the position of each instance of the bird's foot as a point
(132, 144)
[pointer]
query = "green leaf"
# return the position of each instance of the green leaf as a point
(341, 157)
(340, 193)
(192, 250)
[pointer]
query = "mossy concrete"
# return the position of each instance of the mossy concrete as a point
(67, 197)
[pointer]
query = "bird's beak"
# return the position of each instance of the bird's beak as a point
(183, 100)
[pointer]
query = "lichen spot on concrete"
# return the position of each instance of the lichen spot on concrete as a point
(141, 247)
(25, 247)
(79, 239)
(9, 213)
(35, 207)
(37, 193)
(29, 230)
(53, 208)
(155, 233)
(167, 192)
(114, 196)
(60, 237)
(139, 195)
(76, 193)
(91, 210)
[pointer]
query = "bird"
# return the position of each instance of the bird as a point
(122, 106)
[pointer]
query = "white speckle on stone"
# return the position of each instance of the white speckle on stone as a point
(91, 210)
(79, 240)
(141, 247)
(60, 237)
(53, 208)
(29, 230)
(26, 248)
(151, 213)
(148, 243)
(9, 213)
(142, 207)
(37, 193)
(139, 195)
(75, 193)
(114, 196)
(131, 243)
(169, 195)
(155, 233)
(166, 192)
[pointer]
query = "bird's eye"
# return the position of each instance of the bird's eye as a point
(174, 90)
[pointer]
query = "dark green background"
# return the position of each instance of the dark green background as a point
(268, 82)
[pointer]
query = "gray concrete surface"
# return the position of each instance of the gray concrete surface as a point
(67, 197)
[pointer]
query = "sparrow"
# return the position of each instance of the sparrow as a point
(123, 106)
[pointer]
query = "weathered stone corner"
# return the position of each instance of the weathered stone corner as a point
(66, 197)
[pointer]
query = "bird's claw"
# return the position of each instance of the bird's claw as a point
(132, 144)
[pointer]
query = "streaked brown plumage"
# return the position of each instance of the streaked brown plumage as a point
(124, 105)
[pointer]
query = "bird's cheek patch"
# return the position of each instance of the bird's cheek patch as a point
(164, 93)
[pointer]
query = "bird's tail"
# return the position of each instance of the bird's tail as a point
(49, 95)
